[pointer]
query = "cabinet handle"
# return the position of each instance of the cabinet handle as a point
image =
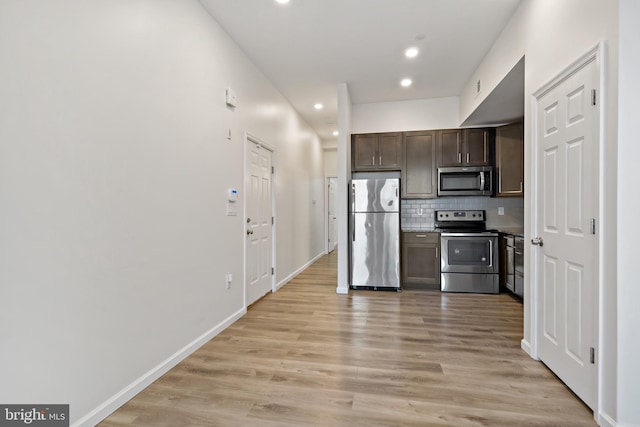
(421, 235)
(373, 160)
(459, 157)
(380, 160)
(468, 158)
(521, 187)
(436, 252)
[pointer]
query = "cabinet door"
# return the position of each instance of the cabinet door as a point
(421, 260)
(420, 267)
(363, 151)
(419, 171)
(476, 147)
(510, 160)
(450, 147)
(389, 151)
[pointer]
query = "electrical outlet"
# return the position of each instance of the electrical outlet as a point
(501, 210)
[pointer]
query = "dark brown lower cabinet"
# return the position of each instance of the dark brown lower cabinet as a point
(421, 260)
(512, 263)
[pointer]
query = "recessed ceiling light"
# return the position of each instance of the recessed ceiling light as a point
(412, 52)
(282, 1)
(318, 106)
(406, 82)
(336, 133)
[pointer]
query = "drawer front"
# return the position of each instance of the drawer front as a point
(508, 239)
(415, 237)
(519, 243)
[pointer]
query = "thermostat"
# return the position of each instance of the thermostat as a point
(233, 195)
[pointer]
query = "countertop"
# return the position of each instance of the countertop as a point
(516, 231)
(425, 229)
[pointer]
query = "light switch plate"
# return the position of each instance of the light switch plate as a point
(501, 210)
(232, 99)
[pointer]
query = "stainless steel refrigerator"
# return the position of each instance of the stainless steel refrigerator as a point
(374, 221)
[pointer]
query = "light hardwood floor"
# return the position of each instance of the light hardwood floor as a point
(307, 356)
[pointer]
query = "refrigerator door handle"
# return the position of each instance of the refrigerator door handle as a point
(352, 224)
(353, 197)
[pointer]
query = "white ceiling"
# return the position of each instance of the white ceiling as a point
(307, 47)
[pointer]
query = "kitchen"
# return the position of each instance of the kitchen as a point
(458, 193)
(118, 176)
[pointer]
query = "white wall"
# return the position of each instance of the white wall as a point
(331, 162)
(628, 206)
(421, 114)
(114, 242)
(551, 34)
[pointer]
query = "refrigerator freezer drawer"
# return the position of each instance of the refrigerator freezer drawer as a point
(375, 250)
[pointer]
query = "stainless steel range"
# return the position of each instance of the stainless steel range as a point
(469, 252)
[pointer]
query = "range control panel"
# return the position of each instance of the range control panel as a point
(460, 215)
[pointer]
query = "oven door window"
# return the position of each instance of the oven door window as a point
(469, 252)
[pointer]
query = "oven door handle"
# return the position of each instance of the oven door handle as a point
(481, 181)
(490, 253)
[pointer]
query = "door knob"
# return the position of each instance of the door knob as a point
(537, 241)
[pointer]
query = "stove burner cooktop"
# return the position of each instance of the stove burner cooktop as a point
(461, 220)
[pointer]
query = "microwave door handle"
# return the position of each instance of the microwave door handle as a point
(481, 181)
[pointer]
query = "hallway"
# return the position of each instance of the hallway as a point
(307, 356)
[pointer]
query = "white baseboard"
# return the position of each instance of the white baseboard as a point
(298, 271)
(526, 346)
(605, 420)
(126, 394)
(342, 290)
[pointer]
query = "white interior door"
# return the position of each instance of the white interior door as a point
(566, 145)
(331, 212)
(259, 229)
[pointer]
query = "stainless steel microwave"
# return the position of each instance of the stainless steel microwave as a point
(465, 181)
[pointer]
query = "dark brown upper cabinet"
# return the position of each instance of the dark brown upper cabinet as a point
(420, 167)
(376, 151)
(510, 160)
(464, 147)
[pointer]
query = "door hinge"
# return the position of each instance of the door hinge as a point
(273, 271)
(592, 355)
(272, 221)
(273, 170)
(593, 226)
(593, 97)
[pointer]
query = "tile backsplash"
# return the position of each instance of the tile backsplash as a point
(418, 214)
